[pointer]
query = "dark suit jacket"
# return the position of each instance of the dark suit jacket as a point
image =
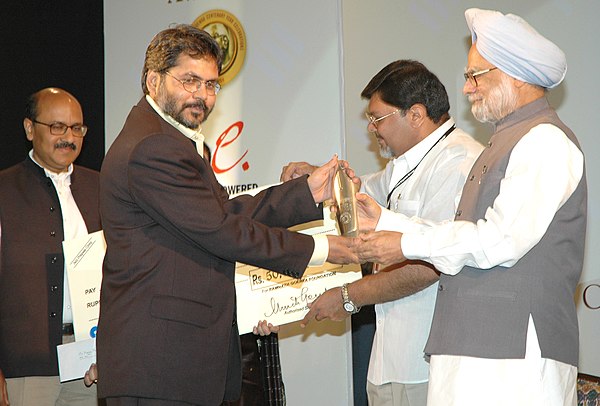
(32, 264)
(167, 315)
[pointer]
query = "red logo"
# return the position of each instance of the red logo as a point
(225, 139)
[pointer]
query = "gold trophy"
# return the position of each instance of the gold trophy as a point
(344, 191)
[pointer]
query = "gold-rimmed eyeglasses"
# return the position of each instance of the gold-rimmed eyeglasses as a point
(472, 76)
(192, 85)
(58, 128)
(374, 120)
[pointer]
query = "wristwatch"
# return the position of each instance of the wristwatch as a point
(348, 304)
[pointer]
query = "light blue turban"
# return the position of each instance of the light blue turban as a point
(516, 48)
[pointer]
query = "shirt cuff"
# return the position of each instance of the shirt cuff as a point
(415, 246)
(392, 221)
(321, 251)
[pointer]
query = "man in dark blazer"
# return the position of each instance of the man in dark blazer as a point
(167, 330)
(43, 200)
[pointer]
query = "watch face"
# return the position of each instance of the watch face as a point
(349, 307)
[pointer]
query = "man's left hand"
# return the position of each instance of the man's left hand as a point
(91, 376)
(382, 247)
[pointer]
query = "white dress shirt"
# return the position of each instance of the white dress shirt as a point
(432, 191)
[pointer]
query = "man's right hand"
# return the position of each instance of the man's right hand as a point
(369, 212)
(3, 391)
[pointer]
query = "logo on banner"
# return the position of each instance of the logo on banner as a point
(591, 296)
(227, 30)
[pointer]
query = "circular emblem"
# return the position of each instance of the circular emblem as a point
(230, 35)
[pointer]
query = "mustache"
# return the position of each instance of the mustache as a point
(65, 144)
(199, 103)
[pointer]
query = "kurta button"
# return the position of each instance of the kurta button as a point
(52, 233)
(53, 314)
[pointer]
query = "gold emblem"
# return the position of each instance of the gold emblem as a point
(226, 29)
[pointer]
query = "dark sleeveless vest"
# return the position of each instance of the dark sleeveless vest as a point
(484, 313)
(32, 264)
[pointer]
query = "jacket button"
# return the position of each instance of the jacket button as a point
(53, 260)
(52, 209)
(53, 314)
(472, 177)
(52, 233)
(53, 288)
(441, 287)
(458, 213)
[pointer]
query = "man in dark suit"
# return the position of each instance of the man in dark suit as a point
(43, 200)
(167, 330)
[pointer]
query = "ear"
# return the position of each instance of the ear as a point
(152, 82)
(28, 126)
(417, 114)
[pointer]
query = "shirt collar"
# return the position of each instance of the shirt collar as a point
(194, 135)
(414, 155)
(57, 177)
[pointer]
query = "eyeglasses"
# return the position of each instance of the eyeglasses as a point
(374, 120)
(193, 85)
(58, 128)
(472, 76)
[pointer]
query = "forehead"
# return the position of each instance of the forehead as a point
(204, 67)
(58, 106)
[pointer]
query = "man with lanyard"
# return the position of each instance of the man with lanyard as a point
(430, 158)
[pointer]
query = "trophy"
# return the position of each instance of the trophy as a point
(344, 191)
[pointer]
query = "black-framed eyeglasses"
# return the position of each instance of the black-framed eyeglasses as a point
(192, 85)
(58, 128)
(472, 76)
(374, 120)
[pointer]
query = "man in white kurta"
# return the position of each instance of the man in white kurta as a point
(505, 325)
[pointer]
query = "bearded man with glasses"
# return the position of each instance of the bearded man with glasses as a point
(43, 200)
(167, 329)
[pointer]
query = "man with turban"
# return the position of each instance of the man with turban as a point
(505, 329)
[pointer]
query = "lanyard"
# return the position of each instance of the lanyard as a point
(409, 173)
